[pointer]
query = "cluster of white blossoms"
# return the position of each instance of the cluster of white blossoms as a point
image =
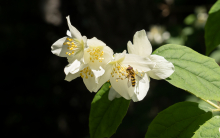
(93, 61)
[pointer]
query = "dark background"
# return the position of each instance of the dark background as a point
(35, 99)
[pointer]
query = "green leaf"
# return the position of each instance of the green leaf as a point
(194, 72)
(106, 116)
(179, 120)
(212, 27)
(204, 105)
(211, 129)
(207, 107)
(215, 7)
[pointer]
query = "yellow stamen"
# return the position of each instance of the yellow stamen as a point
(95, 54)
(71, 46)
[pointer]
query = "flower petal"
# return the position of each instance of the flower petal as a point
(95, 42)
(120, 56)
(70, 76)
(141, 46)
(85, 41)
(86, 56)
(90, 83)
(163, 68)
(104, 78)
(74, 67)
(59, 49)
(74, 32)
(98, 73)
(141, 88)
(138, 62)
(130, 47)
(113, 94)
(122, 88)
(68, 33)
(78, 55)
(108, 55)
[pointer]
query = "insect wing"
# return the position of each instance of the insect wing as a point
(141, 79)
(129, 81)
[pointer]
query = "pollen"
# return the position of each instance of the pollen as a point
(71, 46)
(86, 72)
(119, 72)
(96, 54)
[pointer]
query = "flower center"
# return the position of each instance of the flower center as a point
(122, 72)
(86, 72)
(119, 72)
(71, 46)
(96, 54)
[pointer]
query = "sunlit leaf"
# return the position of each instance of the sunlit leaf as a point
(212, 27)
(211, 129)
(106, 116)
(194, 72)
(178, 121)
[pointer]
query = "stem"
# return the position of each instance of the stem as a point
(209, 102)
(215, 110)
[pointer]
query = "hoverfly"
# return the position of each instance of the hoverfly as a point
(131, 77)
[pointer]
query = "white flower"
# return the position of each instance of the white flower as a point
(143, 48)
(77, 69)
(86, 58)
(96, 57)
(161, 69)
(71, 46)
(116, 71)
